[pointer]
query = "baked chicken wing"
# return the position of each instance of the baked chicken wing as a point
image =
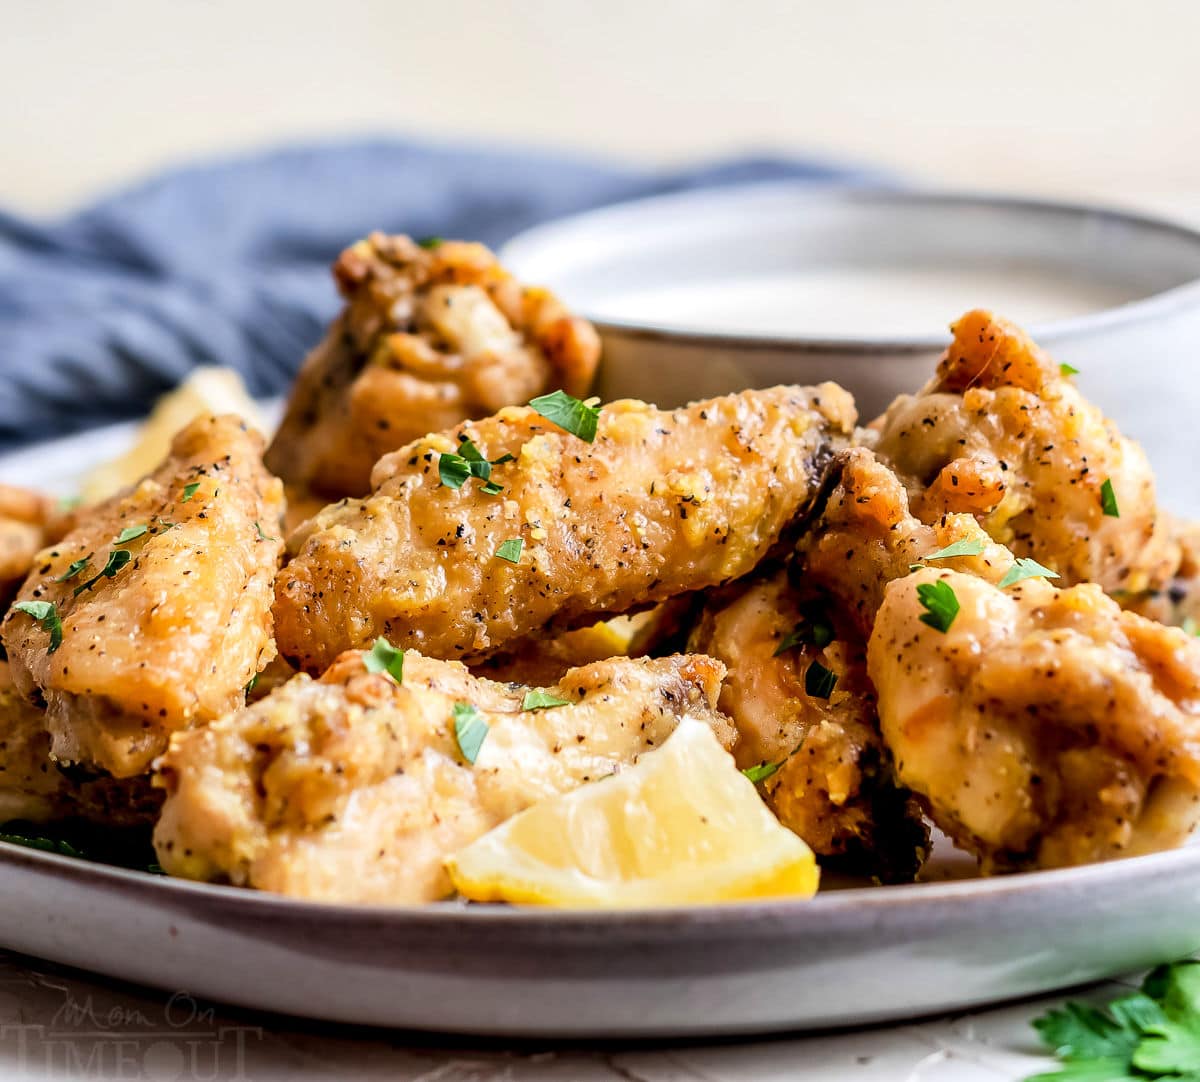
(1044, 726)
(28, 521)
(355, 788)
(154, 612)
(1001, 433)
(430, 336)
(661, 503)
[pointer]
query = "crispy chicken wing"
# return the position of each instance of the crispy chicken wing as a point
(1044, 727)
(429, 337)
(353, 788)
(157, 603)
(1002, 434)
(834, 785)
(662, 503)
(33, 788)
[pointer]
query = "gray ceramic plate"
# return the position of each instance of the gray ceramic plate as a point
(847, 957)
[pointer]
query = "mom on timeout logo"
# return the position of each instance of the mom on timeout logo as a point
(81, 1039)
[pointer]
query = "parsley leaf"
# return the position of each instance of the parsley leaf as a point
(1171, 1044)
(940, 603)
(429, 242)
(510, 550)
(47, 616)
(262, 536)
(1026, 569)
(819, 681)
(1068, 369)
(252, 684)
(46, 845)
(814, 629)
(75, 569)
(383, 657)
(117, 559)
(455, 470)
(130, 533)
(576, 417)
(762, 771)
(470, 730)
(1108, 500)
(542, 700)
(190, 490)
(966, 547)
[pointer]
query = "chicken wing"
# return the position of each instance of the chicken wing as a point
(661, 503)
(798, 694)
(429, 337)
(1043, 727)
(354, 788)
(28, 521)
(154, 612)
(1001, 433)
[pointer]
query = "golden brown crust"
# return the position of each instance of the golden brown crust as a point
(173, 636)
(429, 337)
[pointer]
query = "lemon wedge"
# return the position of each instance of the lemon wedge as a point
(681, 826)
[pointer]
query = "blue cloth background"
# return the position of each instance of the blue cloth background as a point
(227, 263)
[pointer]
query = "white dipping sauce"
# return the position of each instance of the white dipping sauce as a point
(860, 302)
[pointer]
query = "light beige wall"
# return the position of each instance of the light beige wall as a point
(1098, 98)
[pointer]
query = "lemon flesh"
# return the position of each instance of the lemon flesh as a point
(681, 826)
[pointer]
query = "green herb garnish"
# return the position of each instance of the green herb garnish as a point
(130, 533)
(117, 559)
(252, 684)
(383, 657)
(470, 730)
(819, 681)
(46, 845)
(429, 242)
(815, 629)
(75, 569)
(1068, 369)
(510, 550)
(578, 418)
(190, 490)
(762, 771)
(542, 700)
(940, 603)
(966, 547)
(1026, 569)
(47, 616)
(1150, 1034)
(455, 470)
(1108, 500)
(262, 536)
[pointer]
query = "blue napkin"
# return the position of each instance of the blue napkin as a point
(227, 262)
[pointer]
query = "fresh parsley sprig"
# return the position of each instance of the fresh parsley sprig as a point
(454, 470)
(1026, 568)
(47, 617)
(940, 603)
(383, 657)
(762, 771)
(470, 730)
(117, 559)
(581, 419)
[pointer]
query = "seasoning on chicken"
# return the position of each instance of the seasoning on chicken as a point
(798, 694)
(356, 787)
(1001, 433)
(430, 336)
(154, 612)
(1043, 727)
(658, 504)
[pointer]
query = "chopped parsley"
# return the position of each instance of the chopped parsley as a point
(814, 629)
(762, 771)
(470, 730)
(75, 569)
(252, 684)
(819, 681)
(542, 700)
(510, 550)
(455, 470)
(1108, 500)
(262, 536)
(47, 845)
(579, 418)
(117, 559)
(1153, 1033)
(47, 616)
(130, 533)
(1026, 569)
(429, 242)
(940, 603)
(1068, 369)
(190, 490)
(966, 547)
(383, 657)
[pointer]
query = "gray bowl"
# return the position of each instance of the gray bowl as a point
(1121, 297)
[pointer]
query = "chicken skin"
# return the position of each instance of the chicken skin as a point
(833, 783)
(154, 612)
(32, 787)
(660, 504)
(430, 336)
(28, 521)
(1043, 727)
(354, 788)
(1001, 433)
